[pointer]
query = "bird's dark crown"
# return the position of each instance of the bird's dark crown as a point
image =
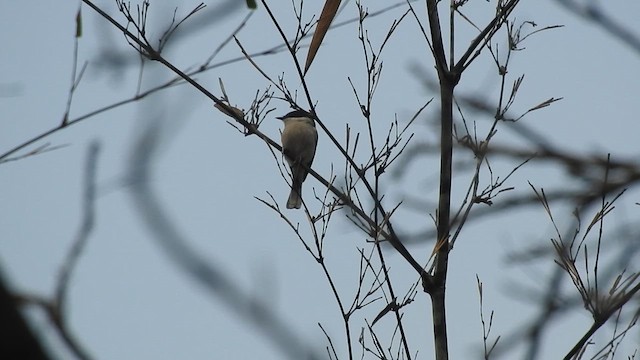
(297, 113)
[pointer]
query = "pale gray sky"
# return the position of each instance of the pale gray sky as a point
(128, 301)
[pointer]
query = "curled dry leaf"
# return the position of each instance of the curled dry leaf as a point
(236, 112)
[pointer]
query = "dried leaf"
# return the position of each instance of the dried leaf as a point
(237, 112)
(326, 17)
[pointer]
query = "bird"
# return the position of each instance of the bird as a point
(299, 141)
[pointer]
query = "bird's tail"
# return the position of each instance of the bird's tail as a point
(295, 199)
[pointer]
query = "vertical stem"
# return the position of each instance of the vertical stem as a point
(444, 208)
(439, 323)
(448, 80)
(444, 201)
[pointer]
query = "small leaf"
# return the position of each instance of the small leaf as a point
(79, 24)
(544, 104)
(390, 306)
(251, 4)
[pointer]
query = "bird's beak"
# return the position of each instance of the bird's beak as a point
(280, 117)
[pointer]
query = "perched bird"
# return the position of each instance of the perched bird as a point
(299, 140)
